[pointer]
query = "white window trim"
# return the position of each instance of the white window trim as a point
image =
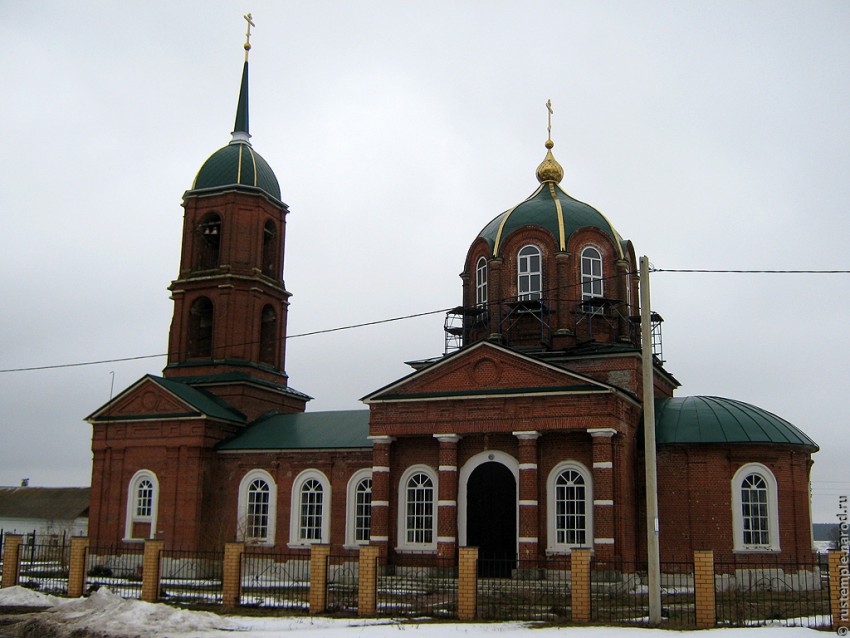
(402, 509)
(351, 508)
(553, 547)
(591, 277)
(242, 511)
(529, 295)
(295, 539)
(772, 509)
(481, 275)
(132, 489)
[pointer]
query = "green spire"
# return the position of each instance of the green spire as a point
(240, 128)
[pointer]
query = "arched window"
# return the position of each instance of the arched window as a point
(257, 507)
(268, 336)
(310, 510)
(358, 520)
(529, 273)
(569, 510)
(417, 509)
(755, 515)
(481, 283)
(209, 241)
(142, 505)
(270, 246)
(200, 328)
(591, 274)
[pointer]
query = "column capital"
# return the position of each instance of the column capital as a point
(601, 432)
(447, 438)
(526, 435)
(381, 439)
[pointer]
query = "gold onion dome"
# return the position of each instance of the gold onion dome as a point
(549, 169)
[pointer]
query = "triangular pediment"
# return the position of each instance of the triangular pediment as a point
(157, 398)
(486, 369)
(145, 399)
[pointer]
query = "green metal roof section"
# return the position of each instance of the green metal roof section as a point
(203, 401)
(304, 431)
(236, 165)
(548, 207)
(703, 419)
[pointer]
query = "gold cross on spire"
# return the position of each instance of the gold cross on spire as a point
(549, 108)
(247, 44)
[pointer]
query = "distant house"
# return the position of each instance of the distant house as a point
(825, 536)
(47, 511)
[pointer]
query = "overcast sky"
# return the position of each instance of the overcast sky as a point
(712, 134)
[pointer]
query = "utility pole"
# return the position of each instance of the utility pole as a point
(652, 529)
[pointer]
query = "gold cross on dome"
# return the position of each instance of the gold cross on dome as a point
(250, 21)
(549, 108)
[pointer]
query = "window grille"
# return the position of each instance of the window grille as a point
(570, 508)
(420, 509)
(311, 510)
(258, 510)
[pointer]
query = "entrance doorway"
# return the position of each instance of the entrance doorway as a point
(491, 518)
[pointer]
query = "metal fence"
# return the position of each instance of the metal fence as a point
(619, 593)
(343, 584)
(191, 577)
(522, 590)
(117, 567)
(418, 585)
(44, 567)
(749, 594)
(275, 580)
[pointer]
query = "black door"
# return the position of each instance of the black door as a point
(491, 518)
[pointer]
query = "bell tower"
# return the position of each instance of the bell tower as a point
(228, 332)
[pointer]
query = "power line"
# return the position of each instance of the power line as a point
(421, 314)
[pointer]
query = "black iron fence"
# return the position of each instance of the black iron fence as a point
(749, 593)
(119, 568)
(343, 584)
(44, 567)
(418, 585)
(191, 577)
(523, 590)
(275, 580)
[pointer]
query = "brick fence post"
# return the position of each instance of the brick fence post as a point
(580, 566)
(150, 573)
(838, 571)
(11, 560)
(77, 566)
(319, 578)
(231, 575)
(367, 588)
(467, 583)
(704, 588)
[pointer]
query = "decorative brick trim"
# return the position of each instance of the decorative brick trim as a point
(603, 501)
(529, 502)
(447, 503)
(527, 466)
(380, 503)
(380, 468)
(603, 541)
(603, 465)
(447, 468)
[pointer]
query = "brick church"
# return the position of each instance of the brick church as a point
(523, 438)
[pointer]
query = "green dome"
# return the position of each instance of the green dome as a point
(237, 165)
(552, 209)
(718, 420)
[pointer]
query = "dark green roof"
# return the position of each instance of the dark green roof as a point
(305, 431)
(205, 402)
(51, 503)
(236, 165)
(542, 209)
(718, 420)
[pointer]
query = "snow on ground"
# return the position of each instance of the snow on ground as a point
(106, 614)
